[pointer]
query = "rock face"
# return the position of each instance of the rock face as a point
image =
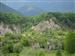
(46, 25)
(6, 28)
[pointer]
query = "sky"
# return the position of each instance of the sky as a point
(45, 4)
(35, 0)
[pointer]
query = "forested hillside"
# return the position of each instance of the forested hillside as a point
(44, 34)
(62, 19)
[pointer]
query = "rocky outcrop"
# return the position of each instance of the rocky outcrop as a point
(8, 28)
(46, 25)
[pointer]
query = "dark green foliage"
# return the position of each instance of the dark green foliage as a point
(58, 53)
(25, 41)
(10, 18)
(70, 42)
(11, 43)
(66, 19)
(7, 48)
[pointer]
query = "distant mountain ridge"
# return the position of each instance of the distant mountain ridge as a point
(4, 8)
(37, 8)
(30, 11)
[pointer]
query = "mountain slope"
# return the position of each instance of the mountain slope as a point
(4, 8)
(56, 21)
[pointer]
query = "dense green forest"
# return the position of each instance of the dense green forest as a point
(55, 40)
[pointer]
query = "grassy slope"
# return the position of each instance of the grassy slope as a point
(28, 51)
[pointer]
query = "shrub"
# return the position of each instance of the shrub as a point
(25, 41)
(7, 48)
(69, 43)
(11, 43)
(17, 48)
